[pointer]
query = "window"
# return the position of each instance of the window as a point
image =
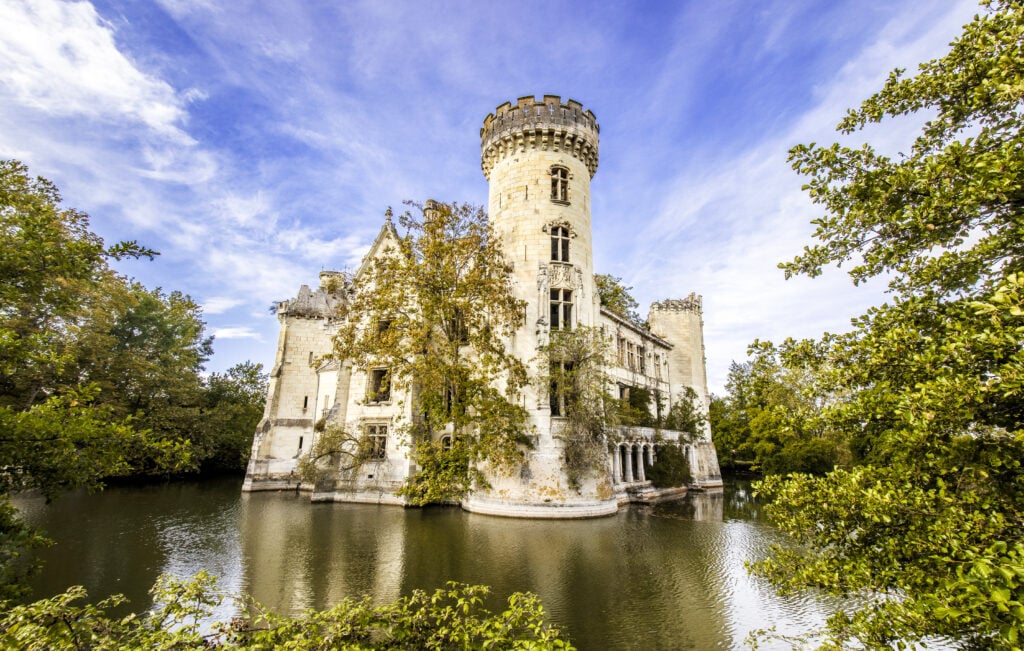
(447, 442)
(560, 244)
(457, 331)
(561, 309)
(378, 388)
(560, 184)
(560, 392)
(377, 438)
(643, 360)
(631, 356)
(383, 325)
(622, 351)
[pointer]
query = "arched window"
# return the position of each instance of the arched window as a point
(560, 184)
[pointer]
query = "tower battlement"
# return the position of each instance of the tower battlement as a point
(539, 124)
(691, 303)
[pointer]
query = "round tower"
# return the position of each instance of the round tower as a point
(538, 157)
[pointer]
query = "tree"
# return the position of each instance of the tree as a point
(145, 350)
(54, 435)
(435, 310)
(927, 525)
(616, 297)
(233, 404)
(771, 416)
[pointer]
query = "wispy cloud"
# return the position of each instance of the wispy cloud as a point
(255, 144)
(237, 332)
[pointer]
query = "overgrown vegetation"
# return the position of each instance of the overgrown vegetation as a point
(671, 469)
(616, 297)
(453, 618)
(927, 391)
(577, 380)
(435, 309)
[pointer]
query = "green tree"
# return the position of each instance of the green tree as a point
(53, 434)
(615, 296)
(436, 310)
(927, 526)
(233, 404)
(144, 350)
(771, 417)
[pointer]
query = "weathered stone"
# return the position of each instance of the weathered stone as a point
(539, 157)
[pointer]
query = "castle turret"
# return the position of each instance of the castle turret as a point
(539, 157)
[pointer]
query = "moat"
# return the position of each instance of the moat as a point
(663, 577)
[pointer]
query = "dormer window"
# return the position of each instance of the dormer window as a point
(560, 244)
(560, 184)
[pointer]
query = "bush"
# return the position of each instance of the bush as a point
(670, 469)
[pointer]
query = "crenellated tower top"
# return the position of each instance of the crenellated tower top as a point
(534, 124)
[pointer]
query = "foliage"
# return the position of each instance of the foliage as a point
(51, 266)
(144, 350)
(435, 308)
(232, 406)
(616, 297)
(686, 414)
(99, 377)
(771, 416)
(17, 540)
(635, 410)
(577, 362)
(453, 617)
(927, 527)
(671, 468)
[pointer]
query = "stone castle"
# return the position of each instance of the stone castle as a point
(539, 157)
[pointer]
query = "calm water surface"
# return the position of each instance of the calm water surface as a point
(667, 577)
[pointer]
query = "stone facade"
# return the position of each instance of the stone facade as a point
(539, 157)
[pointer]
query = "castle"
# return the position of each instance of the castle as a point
(539, 157)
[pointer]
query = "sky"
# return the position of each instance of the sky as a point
(256, 143)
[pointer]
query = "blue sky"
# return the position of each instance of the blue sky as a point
(255, 143)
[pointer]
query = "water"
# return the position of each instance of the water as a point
(667, 577)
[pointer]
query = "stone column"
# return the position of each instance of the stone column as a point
(616, 470)
(629, 463)
(640, 464)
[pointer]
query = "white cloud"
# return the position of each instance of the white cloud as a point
(220, 304)
(61, 58)
(722, 230)
(236, 332)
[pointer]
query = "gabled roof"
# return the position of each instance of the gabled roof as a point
(387, 235)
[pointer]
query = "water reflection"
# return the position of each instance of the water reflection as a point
(664, 577)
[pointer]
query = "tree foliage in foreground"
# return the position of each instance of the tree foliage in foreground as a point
(453, 618)
(436, 310)
(928, 389)
(99, 377)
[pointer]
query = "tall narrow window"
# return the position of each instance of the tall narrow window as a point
(561, 392)
(378, 389)
(560, 184)
(377, 439)
(561, 309)
(560, 244)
